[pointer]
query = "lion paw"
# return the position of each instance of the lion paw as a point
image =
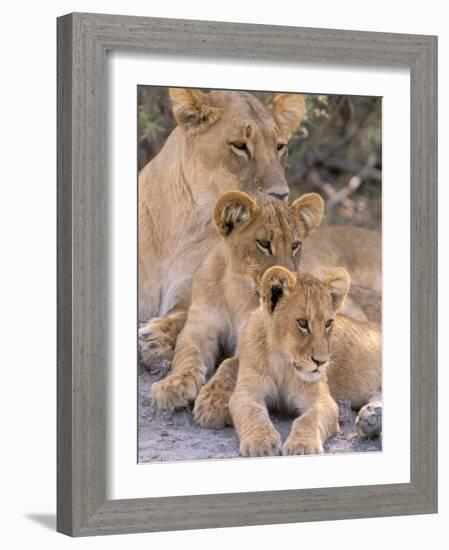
(369, 420)
(261, 443)
(211, 407)
(157, 348)
(176, 391)
(301, 445)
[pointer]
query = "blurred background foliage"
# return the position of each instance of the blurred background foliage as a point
(337, 150)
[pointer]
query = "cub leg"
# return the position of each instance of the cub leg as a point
(369, 419)
(257, 435)
(196, 353)
(312, 428)
(157, 339)
(212, 404)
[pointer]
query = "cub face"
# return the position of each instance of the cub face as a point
(300, 311)
(267, 232)
(233, 141)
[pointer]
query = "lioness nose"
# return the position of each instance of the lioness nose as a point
(318, 362)
(281, 196)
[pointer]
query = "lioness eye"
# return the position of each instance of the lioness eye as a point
(281, 146)
(328, 323)
(303, 324)
(240, 145)
(265, 246)
(296, 246)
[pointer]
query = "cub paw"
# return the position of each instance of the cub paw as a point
(261, 443)
(369, 420)
(175, 391)
(302, 445)
(211, 407)
(157, 348)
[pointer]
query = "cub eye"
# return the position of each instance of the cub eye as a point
(240, 145)
(303, 324)
(328, 323)
(281, 146)
(296, 246)
(265, 246)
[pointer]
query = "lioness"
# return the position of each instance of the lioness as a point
(223, 141)
(255, 235)
(296, 351)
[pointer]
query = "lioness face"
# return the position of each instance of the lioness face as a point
(263, 233)
(301, 312)
(234, 142)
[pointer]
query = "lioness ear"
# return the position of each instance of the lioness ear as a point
(191, 108)
(310, 209)
(277, 282)
(338, 282)
(233, 209)
(288, 111)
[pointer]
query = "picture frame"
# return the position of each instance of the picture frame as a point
(83, 41)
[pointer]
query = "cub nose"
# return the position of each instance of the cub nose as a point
(318, 362)
(281, 196)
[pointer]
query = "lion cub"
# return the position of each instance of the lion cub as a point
(293, 353)
(256, 235)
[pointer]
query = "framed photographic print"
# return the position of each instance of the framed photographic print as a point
(247, 282)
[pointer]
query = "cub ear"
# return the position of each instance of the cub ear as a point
(288, 111)
(191, 108)
(233, 209)
(277, 283)
(310, 209)
(338, 282)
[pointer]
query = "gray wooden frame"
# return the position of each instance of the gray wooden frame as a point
(83, 40)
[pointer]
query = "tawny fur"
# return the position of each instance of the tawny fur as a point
(255, 235)
(301, 369)
(177, 190)
(356, 249)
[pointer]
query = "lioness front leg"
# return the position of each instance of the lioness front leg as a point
(257, 435)
(157, 339)
(196, 352)
(212, 404)
(369, 419)
(312, 428)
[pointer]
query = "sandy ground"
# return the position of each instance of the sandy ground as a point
(175, 436)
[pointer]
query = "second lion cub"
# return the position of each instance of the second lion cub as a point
(256, 234)
(284, 352)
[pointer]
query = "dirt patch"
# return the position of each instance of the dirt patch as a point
(175, 436)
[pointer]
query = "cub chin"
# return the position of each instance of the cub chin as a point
(298, 353)
(255, 235)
